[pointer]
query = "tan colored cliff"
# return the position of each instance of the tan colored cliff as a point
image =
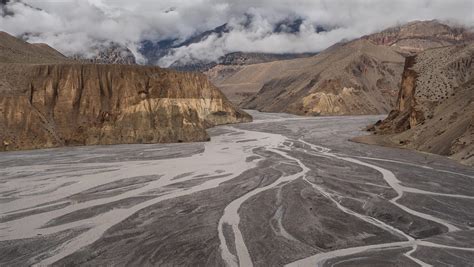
(435, 107)
(66, 103)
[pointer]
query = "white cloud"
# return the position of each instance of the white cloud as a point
(77, 26)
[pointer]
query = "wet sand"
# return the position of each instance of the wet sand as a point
(282, 190)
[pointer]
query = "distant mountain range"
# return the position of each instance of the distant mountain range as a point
(111, 53)
(152, 51)
(418, 36)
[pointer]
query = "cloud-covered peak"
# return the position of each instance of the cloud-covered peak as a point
(271, 26)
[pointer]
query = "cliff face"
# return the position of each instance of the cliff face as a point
(75, 104)
(435, 108)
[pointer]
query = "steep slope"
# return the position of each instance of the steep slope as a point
(14, 50)
(435, 108)
(240, 81)
(278, 79)
(67, 103)
(354, 78)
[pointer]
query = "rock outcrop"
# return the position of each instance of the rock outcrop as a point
(111, 53)
(67, 103)
(358, 77)
(435, 107)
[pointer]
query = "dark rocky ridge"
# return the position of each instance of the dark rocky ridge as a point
(237, 59)
(153, 51)
(112, 53)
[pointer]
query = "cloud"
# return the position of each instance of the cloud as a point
(80, 26)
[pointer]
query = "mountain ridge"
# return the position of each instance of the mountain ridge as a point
(251, 87)
(435, 106)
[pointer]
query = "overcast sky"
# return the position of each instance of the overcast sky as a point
(75, 26)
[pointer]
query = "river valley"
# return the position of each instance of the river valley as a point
(282, 190)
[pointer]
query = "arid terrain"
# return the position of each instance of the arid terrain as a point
(362, 76)
(282, 190)
(237, 133)
(435, 106)
(48, 100)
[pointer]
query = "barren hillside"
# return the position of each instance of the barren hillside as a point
(284, 86)
(435, 109)
(14, 50)
(354, 78)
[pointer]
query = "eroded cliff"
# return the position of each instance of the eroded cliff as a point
(435, 107)
(76, 104)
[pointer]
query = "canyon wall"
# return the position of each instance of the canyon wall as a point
(86, 104)
(435, 107)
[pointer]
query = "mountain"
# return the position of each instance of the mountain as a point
(48, 100)
(358, 77)
(236, 59)
(14, 50)
(354, 78)
(435, 106)
(421, 35)
(153, 51)
(312, 85)
(242, 58)
(111, 53)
